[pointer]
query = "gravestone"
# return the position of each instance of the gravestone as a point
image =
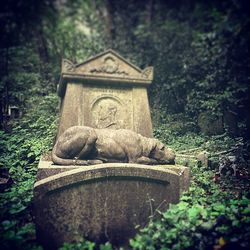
(105, 91)
(210, 125)
(103, 202)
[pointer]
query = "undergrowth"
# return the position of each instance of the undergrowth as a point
(20, 153)
(213, 214)
(205, 218)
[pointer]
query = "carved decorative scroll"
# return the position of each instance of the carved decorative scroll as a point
(109, 66)
(147, 73)
(68, 66)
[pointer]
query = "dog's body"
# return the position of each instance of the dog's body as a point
(80, 145)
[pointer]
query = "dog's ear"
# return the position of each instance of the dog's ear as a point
(157, 145)
(160, 145)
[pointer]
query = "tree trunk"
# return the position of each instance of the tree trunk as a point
(149, 12)
(110, 28)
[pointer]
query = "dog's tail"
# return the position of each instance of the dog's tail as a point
(66, 162)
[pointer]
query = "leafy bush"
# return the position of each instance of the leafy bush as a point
(204, 218)
(201, 58)
(21, 151)
(85, 245)
(212, 214)
(209, 214)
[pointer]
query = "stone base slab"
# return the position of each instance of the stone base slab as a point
(47, 168)
(103, 202)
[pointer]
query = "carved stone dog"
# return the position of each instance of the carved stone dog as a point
(80, 145)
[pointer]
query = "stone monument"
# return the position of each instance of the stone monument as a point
(106, 174)
(105, 91)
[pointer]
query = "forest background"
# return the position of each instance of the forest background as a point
(199, 96)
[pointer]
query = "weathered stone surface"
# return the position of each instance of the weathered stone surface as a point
(184, 174)
(209, 125)
(47, 168)
(105, 92)
(102, 202)
(202, 158)
(81, 145)
(231, 122)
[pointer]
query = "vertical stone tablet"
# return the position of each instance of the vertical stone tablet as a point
(101, 203)
(105, 91)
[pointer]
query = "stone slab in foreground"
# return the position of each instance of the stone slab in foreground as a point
(102, 202)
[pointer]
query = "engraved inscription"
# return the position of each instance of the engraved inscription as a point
(110, 90)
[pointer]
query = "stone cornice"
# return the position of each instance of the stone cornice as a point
(105, 68)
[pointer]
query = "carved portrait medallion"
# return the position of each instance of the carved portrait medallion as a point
(107, 112)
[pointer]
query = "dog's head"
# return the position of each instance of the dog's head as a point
(162, 154)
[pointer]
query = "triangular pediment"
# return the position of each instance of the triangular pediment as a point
(108, 64)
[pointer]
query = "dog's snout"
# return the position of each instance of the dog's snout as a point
(170, 155)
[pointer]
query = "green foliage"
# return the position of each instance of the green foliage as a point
(76, 34)
(21, 150)
(176, 130)
(203, 218)
(16, 236)
(199, 50)
(85, 245)
(179, 142)
(80, 245)
(179, 132)
(200, 55)
(209, 214)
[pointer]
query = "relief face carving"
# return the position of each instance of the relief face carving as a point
(107, 112)
(109, 66)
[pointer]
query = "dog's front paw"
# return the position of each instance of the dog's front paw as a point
(94, 162)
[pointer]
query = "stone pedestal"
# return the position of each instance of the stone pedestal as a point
(105, 91)
(102, 202)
